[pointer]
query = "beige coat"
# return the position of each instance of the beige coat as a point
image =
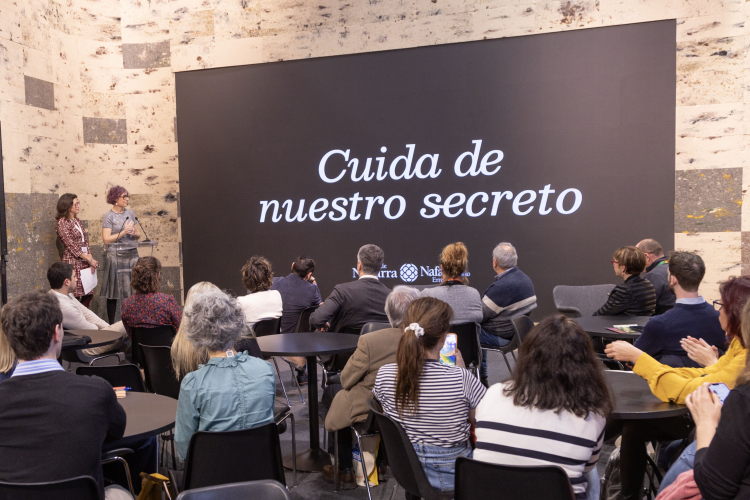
(358, 377)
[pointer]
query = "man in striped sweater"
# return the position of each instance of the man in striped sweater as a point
(510, 295)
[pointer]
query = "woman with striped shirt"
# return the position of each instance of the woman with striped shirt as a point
(434, 403)
(553, 409)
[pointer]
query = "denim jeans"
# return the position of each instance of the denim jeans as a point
(683, 464)
(439, 463)
(593, 487)
(489, 339)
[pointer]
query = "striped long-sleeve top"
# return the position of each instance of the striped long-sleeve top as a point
(515, 435)
(635, 297)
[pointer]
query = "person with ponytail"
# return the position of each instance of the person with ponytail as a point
(433, 402)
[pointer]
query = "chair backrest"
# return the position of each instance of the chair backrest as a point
(402, 459)
(467, 336)
(117, 376)
(522, 325)
(235, 456)
(475, 479)
(350, 329)
(374, 327)
(267, 327)
(580, 301)
(156, 336)
(77, 488)
(303, 320)
(250, 345)
(266, 489)
(160, 375)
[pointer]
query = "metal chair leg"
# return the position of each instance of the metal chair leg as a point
(506, 362)
(127, 471)
(513, 353)
(335, 461)
(362, 461)
(278, 372)
(299, 389)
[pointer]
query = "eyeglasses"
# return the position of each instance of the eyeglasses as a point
(718, 305)
(613, 262)
(77, 204)
(124, 196)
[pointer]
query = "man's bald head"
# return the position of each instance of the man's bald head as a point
(652, 249)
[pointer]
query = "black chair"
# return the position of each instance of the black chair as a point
(403, 460)
(303, 321)
(266, 489)
(335, 363)
(117, 376)
(467, 336)
(351, 330)
(267, 327)
(77, 488)
(374, 327)
(250, 345)
(523, 326)
(156, 336)
(478, 480)
(160, 375)
(361, 430)
(216, 458)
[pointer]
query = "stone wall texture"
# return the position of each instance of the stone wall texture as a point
(87, 99)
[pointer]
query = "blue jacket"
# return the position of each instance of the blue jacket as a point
(662, 334)
(225, 394)
(296, 295)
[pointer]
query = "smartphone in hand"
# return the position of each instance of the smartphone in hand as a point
(448, 352)
(721, 391)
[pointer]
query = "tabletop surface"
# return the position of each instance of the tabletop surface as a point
(634, 399)
(98, 337)
(597, 325)
(307, 343)
(148, 414)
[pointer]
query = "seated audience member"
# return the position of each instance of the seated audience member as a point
(454, 291)
(233, 390)
(148, 308)
(509, 296)
(553, 409)
(434, 403)
(352, 304)
(635, 297)
(260, 302)
(349, 406)
(674, 384)
(720, 454)
(62, 281)
(7, 358)
(656, 273)
(52, 423)
(298, 292)
(185, 356)
(662, 335)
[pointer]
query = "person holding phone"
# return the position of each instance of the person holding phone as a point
(720, 454)
(434, 403)
(118, 226)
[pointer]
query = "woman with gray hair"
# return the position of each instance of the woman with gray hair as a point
(233, 390)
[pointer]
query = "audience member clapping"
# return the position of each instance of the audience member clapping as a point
(261, 302)
(663, 336)
(434, 403)
(553, 409)
(233, 390)
(148, 308)
(636, 296)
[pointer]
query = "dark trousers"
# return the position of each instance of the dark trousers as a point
(346, 444)
(143, 459)
(635, 435)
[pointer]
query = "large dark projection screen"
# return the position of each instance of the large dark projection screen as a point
(562, 144)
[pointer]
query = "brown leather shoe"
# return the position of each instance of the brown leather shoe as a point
(346, 477)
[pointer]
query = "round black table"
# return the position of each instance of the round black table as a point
(634, 399)
(98, 338)
(596, 326)
(309, 345)
(148, 415)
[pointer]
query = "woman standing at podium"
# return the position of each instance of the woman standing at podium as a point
(119, 233)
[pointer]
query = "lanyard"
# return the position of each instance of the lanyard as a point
(77, 224)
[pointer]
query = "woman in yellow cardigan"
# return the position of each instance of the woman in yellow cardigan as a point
(674, 384)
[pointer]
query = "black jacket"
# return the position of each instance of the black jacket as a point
(635, 297)
(53, 425)
(353, 304)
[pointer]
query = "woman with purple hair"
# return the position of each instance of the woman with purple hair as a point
(119, 233)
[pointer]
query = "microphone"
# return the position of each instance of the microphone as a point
(123, 225)
(144, 230)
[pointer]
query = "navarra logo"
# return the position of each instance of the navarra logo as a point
(409, 273)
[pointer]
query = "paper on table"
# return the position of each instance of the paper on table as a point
(88, 280)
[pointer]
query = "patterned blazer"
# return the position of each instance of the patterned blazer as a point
(67, 230)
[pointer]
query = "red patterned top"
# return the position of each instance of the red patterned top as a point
(149, 310)
(68, 231)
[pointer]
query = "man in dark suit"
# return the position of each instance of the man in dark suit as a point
(353, 304)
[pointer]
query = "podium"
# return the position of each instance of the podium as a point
(119, 248)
